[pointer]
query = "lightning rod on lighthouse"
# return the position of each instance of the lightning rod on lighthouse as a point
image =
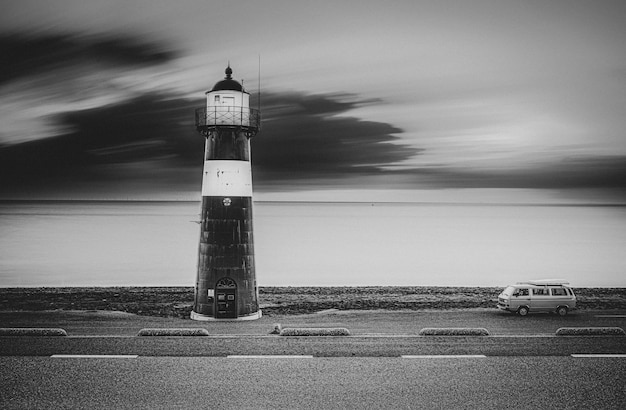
(226, 286)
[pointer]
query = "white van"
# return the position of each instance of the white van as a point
(545, 295)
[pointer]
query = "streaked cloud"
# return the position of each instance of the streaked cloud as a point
(487, 93)
(308, 136)
(150, 142)
(29, 55)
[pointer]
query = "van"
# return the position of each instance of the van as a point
(545, 295)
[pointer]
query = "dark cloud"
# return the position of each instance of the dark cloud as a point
(151, 140)
(150, 144)
(606, 172)
(24, 55)
(153, 126)
(309, 137)
(145, 136)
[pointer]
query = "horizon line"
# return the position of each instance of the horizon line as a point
(356, 202)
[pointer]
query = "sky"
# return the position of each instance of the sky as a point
(469, 100)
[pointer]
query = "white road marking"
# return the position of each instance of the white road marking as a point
(599, 355)
(614, 316)
(269, 356)
(94, 356)
(444, 356)
(427, 356)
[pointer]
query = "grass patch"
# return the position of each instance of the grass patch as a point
(590, 331)
(315, 331)
(173, 332)
(454, 331)
(29, 331)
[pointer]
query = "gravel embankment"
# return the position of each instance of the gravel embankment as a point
(178, 301)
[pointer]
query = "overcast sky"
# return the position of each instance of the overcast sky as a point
(97, 97)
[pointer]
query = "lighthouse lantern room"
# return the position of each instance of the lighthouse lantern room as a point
(226, 285)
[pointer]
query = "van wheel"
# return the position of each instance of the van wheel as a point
(522, 311)
(561, 310)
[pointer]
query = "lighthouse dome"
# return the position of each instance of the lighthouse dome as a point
(228, 83)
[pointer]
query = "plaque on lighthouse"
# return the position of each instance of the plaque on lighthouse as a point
(226, 287)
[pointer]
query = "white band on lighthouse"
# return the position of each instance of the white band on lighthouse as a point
(227, 178)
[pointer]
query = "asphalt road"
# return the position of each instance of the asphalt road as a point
(384, 364)
(313, 383)
(352, 346)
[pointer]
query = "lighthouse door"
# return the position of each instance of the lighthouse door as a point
(226, 300)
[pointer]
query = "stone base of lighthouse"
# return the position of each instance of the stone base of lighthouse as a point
(226, 287)
(198, 316)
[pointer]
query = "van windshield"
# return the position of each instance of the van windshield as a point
(508, 291)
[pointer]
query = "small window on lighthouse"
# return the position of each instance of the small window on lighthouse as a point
(217, 99)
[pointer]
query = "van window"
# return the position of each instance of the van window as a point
(540, 291)
(508, 291)
(521, 292)
(558, 292)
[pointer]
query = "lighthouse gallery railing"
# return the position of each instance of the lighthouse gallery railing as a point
(234, 116)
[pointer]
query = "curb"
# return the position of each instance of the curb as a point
(31, 331)
(173, 332)
(454, 331)
(315, 331)
(590, 331)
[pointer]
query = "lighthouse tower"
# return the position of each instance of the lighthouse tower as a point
(226, 285)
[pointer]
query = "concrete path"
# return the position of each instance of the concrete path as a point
(375, 322)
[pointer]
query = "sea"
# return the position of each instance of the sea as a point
(152, 243)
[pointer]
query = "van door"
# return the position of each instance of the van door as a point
(520, 297)
(541, 300)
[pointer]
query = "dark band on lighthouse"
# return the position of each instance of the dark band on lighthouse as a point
(226, 285)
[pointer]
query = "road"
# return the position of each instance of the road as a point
(384, 364)
(353, 346)
(313, 383)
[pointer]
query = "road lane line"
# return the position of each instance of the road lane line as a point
(444, 356)
(269, 356)
(94, 356)
(613, 316)
(599, 355)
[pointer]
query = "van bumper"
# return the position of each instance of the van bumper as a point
(503, 307)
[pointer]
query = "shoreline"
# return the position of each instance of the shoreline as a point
(177, 302)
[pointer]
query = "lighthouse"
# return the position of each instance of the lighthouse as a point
(226, 287)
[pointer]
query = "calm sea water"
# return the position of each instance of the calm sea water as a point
(316, 244)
